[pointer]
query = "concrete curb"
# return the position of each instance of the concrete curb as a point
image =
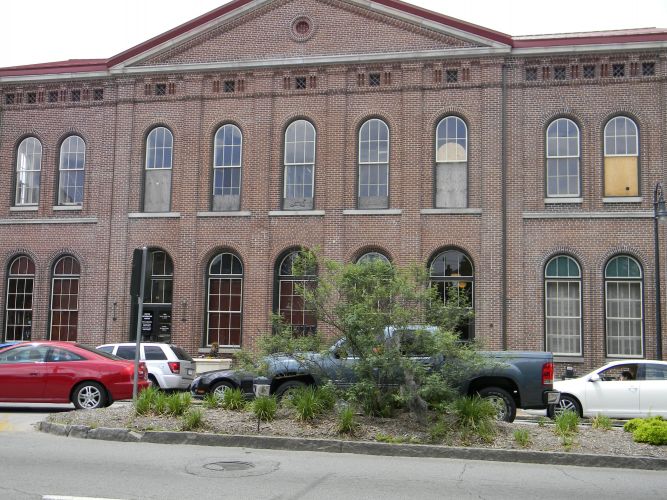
(357, 447)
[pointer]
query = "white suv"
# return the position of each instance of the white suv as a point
(169, 366)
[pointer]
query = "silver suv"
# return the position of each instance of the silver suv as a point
(169, 366)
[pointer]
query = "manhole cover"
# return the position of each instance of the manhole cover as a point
(229, 466)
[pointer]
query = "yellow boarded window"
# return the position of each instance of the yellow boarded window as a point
(621, 154)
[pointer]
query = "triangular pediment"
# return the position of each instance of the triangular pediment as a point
(292, 30)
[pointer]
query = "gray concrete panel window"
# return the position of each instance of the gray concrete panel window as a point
(451, 156)
(624, 307)
(562, 306)
(563, 157)
(28, 172)
(65, 299)
(71, 171)
(299, 175)
(621, 157)
(18, 305)
(227, 153)
(225, 301)
(373, 165)
(157, 179)
(452, 275)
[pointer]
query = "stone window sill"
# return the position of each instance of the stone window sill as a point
(224, 214)
(156, 215)
(379, 211)
(65, 208)
(451, 211)
(550, 201)
(30, 208)
(287, 213)
(622, 199)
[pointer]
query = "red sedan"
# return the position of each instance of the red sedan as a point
(63, 372)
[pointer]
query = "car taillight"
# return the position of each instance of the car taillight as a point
(548, 373)
(175, 366)
(143, 371)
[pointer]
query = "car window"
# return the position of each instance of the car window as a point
(98, 352)
(620, 373)
(180, 353)
(655, 372)
(57, 354)
(105, 348)
(415, 342)
(154, 352)
(24, 354)
(126, 351)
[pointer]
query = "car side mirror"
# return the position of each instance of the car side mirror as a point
(594, 378)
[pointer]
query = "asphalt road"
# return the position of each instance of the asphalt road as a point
(41, 466)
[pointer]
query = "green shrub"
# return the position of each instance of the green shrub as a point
(631, 425)
(347, 421)
(601, 422)
(326, 397)
(373, 400)
(567, 423)
(178, 403)
(160, 403)
(265, 407)
(212, 401)
(233, 399)
(144, 402)
(475, 415)
(305, 402)
(439, 431)
(651, 430)
(193, 419)
(522, 437)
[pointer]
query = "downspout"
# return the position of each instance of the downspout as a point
(503, 203)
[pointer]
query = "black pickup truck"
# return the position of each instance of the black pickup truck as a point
(512, 379)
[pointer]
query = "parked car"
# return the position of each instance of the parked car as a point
(620, 389)
(511, 379)
(169, 366)
(7, 344)
(63, 372)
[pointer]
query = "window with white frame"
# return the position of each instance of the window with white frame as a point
(65, 299)
(299, 175)
(624, 308)
(18, 307)
(290, 298)
(562, 306)
(157, 175)
(225, 300)
(621, 157)
(373, 165)
(71, 168)
(369, 257)
(563, 157)
(452, 274)
(28, 172)
(227, 168)
(451, 156)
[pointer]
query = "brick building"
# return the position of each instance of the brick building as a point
(520, 169)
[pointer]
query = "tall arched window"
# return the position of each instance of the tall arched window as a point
(562, 305)
(624, 309)
(451, 156)
(227, 168)
(563, 159)
(290, 302)
(299, 175)
(72, 164)
(452, 274)
(28, 172)
(373, 165)
(621, 157)
(65, 299)
(372, 257)
(225, 300)
(157, 180)
(18, 308)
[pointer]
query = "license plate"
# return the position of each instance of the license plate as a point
(191, 371)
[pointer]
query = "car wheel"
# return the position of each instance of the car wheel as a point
(502, 400)
(88, 396)
(218, 389)
(153, 382)
(566, 402)
(286, 387)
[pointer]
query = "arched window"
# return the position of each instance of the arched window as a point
(373, 165)
(18, 309)
(451, 156)
(156, 320)
(624, 309)
(562, 305)
(299, 175)
(72, 164)
(227, 168)
(28, 171)
(621, 157)
(65, 299)
(157, 180)
(372, 257)
(290, 302)
(563, 159)
(452, 274)
(225, 300)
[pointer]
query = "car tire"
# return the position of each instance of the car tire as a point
(219, 388)
(502, 400)
(289, 386)
(153, 381)
(89, 396)
(566, 402)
